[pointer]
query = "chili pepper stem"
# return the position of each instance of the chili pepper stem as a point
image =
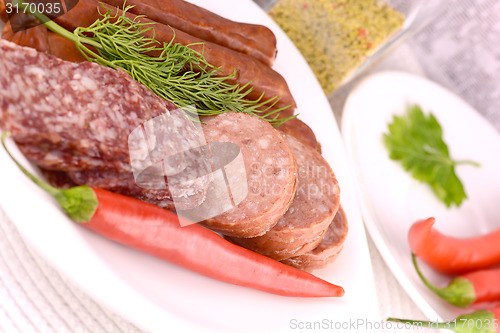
(460, 292)
(80, 202)
(483, 322)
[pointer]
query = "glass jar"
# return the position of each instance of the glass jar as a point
(342, 38)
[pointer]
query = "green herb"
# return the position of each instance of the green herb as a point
(416, 141)
(120, 42)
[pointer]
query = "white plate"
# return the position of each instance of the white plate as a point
(391, 200)
(158, 296)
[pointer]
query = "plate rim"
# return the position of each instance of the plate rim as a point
(368, 216)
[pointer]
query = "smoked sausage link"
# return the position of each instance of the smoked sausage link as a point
(254, 40)
(299, 130)
(3, 12)
(263, 79)
(35, 37)
(43, 40)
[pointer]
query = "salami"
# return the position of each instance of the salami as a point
(77, 118)
(315, 204)
(329, 248)
(3, 12)
(270, 168)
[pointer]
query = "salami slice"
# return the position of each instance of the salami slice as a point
(315, 204)
(329, 248)
(270, 168)
(77, 118)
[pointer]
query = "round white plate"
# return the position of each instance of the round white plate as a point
(391, 200)
(160, 297)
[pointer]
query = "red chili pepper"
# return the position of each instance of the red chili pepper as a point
(157, 231)
(482, 321)
(467, 289)
(452, 255)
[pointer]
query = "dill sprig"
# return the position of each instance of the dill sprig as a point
(178, 74)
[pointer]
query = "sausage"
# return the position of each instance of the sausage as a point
(329, 248)
(63, 48)
(3, 12)
(41, 39)
(254, 40)
(79, 117)
(35, 37)
(298, 129)
(262, 78)
(270, 170)
(58, 179)
(315, 204)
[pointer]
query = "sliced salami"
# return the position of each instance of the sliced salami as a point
(315, 204)
(270, 168)
(329, 248)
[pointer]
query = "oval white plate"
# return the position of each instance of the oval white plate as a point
(160, 297)
(391, 200)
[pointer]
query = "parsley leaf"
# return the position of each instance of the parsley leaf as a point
(416, 142)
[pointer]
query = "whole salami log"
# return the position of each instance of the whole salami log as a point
(329, 248)
(78, 117)
(254, 40)
(270, 169)
(315, 204)
(262, 79)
